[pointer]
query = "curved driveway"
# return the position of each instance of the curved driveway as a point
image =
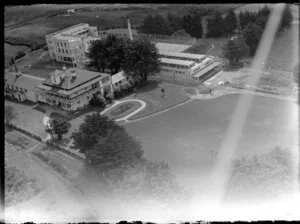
(129, 115)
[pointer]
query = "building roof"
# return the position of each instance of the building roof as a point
(206, 69)
(24, 81)
(82, 76)
(176, 61)
(171, 47)
(118, 77)
(185, 55)
(66, 30)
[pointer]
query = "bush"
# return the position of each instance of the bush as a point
(98, 101)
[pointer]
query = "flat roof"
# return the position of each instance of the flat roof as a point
(206, 69)
(169, 47)
(176, 61)
(186, 55)
(66, 29)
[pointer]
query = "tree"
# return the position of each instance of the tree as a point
(215, 25)
(186, 23)
(235, 50)
(140, 59)
(150, 181)
(107, 54)
(147, 24)
(286, 18)
(10, 114)
(196, 29)
(230, 22)
(93, 128)
(160, 25)
(60, 127)
(263, 17)
(252, 34)
(246, 17)
(112, 155)
(173, 22)
(98, 100)
(96, 54)
(181, 34)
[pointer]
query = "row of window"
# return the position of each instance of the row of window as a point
(175, 65)
(61, 44)
(180, 58)
(63, 51)
(15, 88)
(167, 70)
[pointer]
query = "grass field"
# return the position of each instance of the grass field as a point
(34, 22)
(152, 95)
(12, 51)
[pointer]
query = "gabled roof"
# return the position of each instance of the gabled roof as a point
(24, 81)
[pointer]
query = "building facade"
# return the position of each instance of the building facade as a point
(21, 87)
(73, 89)
(71, 45)
(184, 66)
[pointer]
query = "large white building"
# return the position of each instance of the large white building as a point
(71, 44)
(179, 66)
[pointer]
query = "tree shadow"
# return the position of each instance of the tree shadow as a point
(234, 67)
(149, 87)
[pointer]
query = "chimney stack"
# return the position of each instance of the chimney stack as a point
(73, 74)
(129, 29)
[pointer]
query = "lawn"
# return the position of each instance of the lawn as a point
(12, 51)
(188, 137)
(152, 95)
(18, 140)
(210, 46)
(28, 118)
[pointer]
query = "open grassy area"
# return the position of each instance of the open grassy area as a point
(16, 139)
(34, 22)
(18, 186)
(262, 176)
(210, 46)
(152, 95)
(12, 51)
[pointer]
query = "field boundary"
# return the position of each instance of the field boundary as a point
(39, 139)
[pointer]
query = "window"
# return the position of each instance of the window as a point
(25, 90)
(59, 51)
(67, 51)
(57, 43)
(65, 45)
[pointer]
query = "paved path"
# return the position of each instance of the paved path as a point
(129, 115)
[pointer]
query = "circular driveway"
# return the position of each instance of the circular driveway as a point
(143, 105)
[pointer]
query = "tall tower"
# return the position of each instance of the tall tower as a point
(129, 29)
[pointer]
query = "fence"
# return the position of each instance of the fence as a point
(51, 144)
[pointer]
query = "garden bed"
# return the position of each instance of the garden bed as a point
(122, 110)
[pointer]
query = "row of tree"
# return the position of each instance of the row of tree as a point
(137, 58)
(260, 18)
(157, 24)
(217, 25)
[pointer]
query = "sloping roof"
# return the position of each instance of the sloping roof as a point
(206, 69)
(176, 61)
(82, 76)
(118, 77)
(171, 47)
(24, 81)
